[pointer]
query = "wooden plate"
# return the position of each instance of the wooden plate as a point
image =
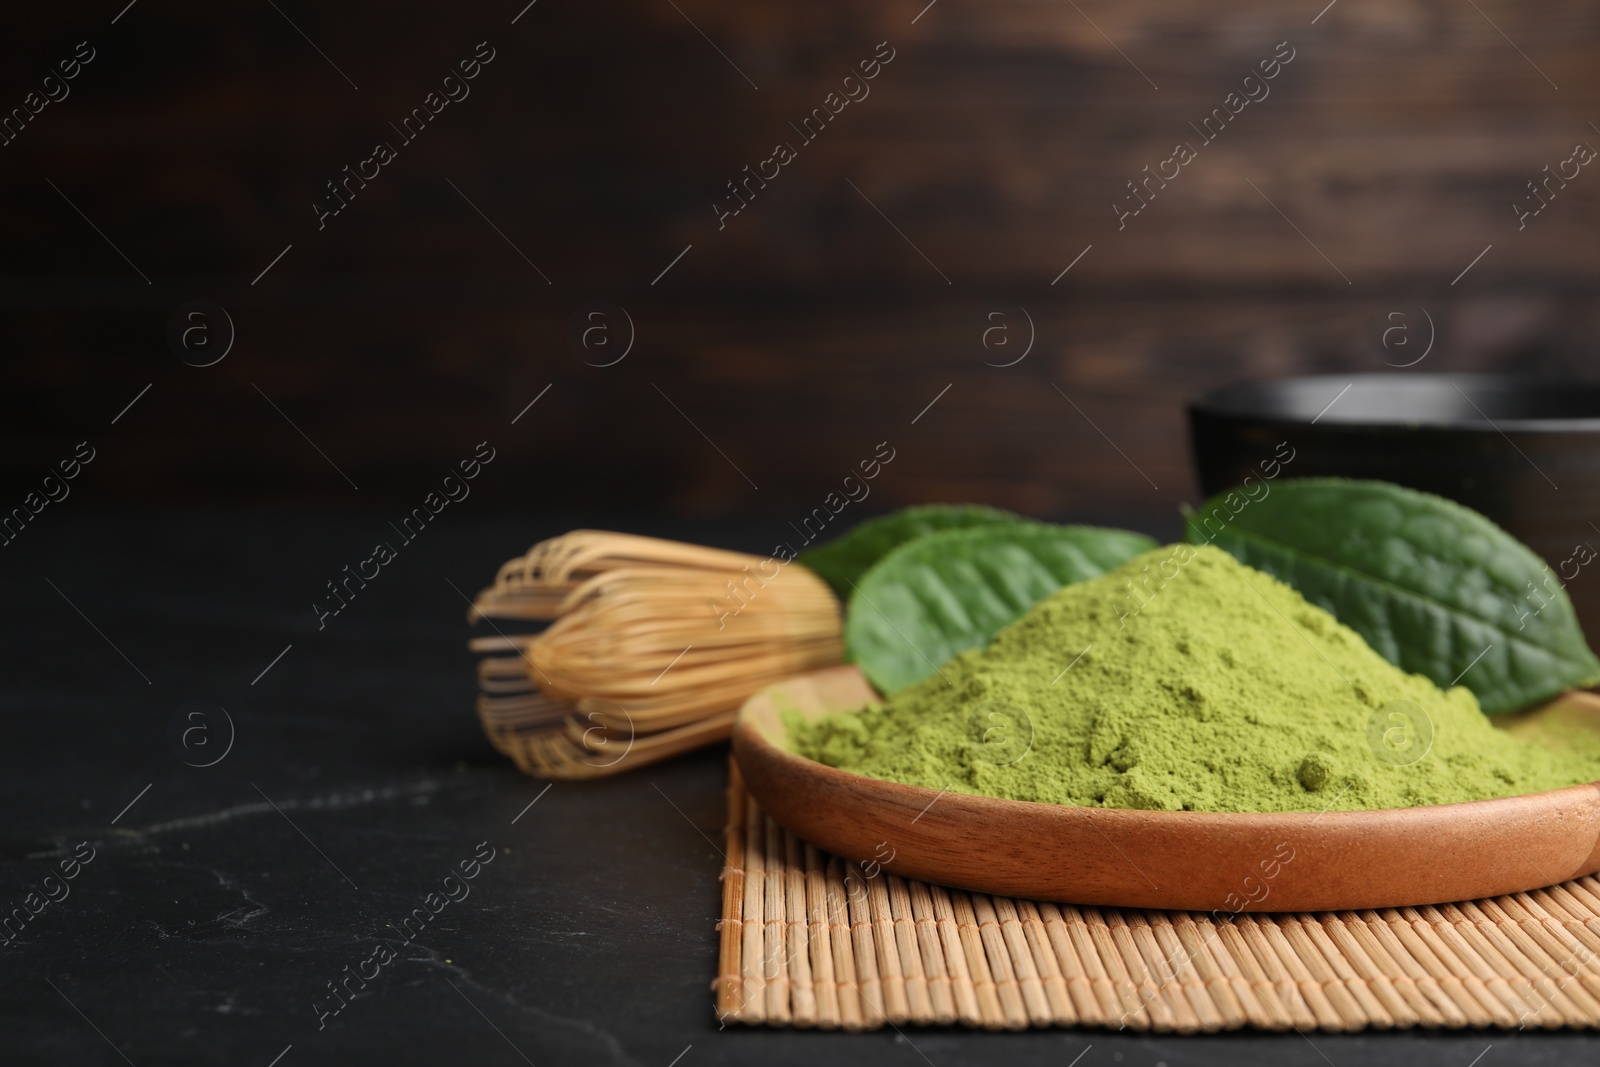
(1195, 861)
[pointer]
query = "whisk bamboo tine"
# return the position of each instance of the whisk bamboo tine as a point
(580, 550)
(554, 755)
(652, 645)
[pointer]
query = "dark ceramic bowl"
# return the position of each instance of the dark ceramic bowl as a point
(1523, 451)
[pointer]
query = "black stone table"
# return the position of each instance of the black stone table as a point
(222, 902)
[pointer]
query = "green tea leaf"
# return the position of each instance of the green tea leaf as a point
(1434, 587)
(953, 590)
(846, 558)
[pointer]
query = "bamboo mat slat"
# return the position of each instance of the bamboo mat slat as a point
(809, 940)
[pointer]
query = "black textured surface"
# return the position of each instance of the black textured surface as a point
(206, 928)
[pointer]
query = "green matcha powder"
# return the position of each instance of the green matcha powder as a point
(1186, 680)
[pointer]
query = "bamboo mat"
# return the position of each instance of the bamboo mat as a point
(810, 940)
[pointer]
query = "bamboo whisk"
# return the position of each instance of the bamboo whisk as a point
(653, 647)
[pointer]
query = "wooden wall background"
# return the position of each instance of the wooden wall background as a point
(809, 329)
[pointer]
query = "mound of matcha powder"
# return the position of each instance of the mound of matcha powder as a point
(1186, 680)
